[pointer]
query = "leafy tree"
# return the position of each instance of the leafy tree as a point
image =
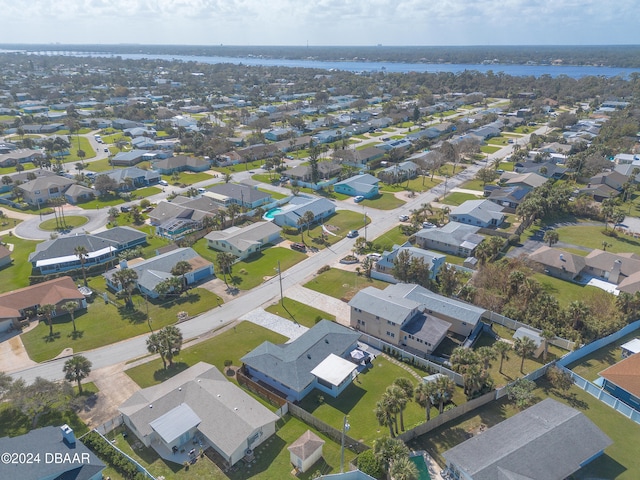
(559, 378)
(166, 342)
(370, 464)
(521, 393)
(39, 398)
(76, 369)
(402, 265)
(551, 237)
(5, 383)
(524, 347)
(486, 175)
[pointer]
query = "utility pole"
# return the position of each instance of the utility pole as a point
(345, 428)
(280, 277)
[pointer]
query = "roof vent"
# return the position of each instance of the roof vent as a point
(562, 257)
(326, 340)
(179, 389)
(308, 356)
(150, 405)
(235, 408)
(218, 395)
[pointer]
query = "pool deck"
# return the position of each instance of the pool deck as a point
(434, 468)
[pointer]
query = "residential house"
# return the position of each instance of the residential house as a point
(24, 155)
(433, 260)
(401, 144)
(5, 256)
(180, 163)
(78, 194)
(317, 359)
(198, 406)
(326, 170)
(123, 124)
(524, 180)
(42, 189)
(257, 152)
(605, 185)
(132, 177)
(182, 216)
(549, 441)
(58, 255)
(482, 213)
(242, 242)
(56, 454)
(547, 169)
(558, 263)
(277, 134)
(140, 132)
(454, 238)
(397, 320)
(23, 303)
(143, 143)
(290, 214)
(626, 159)
(128, 159)
(157, 269)
(350, 475)
(509, 197)
(464, 319)
(358, 158)
(622, 380)
(249, 197)
(630, 348)
(305, 451)
(365, 185)
(399, 172)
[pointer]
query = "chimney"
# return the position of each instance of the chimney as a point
(614, 276)
(67, 434)
(123, 264)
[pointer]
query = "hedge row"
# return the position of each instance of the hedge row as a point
(112, 457)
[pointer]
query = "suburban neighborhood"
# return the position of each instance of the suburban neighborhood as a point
(238, 272)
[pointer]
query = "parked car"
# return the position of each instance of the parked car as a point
(427, 225)
(164, 183)
(358, 199)
(125, 209)
(352, 234)
(403, 218)
(300, 247)
(201, 190)
(374, 256)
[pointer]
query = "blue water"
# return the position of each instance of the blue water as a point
(353, 66)
(421, 465)
(271, 213)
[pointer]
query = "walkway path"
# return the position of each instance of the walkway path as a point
(275, 323)
(404, 366)
(326, 303)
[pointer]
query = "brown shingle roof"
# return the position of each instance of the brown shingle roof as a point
(557, 258)
(52, 292)
(306, 445)
(625, 374)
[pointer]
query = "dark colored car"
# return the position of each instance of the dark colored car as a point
(300, 247)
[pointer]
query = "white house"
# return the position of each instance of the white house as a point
(242, 242)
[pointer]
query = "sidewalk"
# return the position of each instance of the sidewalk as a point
(320, 301)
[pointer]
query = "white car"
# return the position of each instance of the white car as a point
(403, 218)
(164, 183)
(427, 225)
(374, 256)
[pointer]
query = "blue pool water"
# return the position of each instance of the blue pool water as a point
(423, 470)
(271, 213)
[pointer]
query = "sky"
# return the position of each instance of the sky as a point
(321, 22)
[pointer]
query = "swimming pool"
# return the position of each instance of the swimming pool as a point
(421, 465)
(271, 213)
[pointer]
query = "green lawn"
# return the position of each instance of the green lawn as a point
(109, 200)
(339, 223)
(16, 274)
(620, 461)
(500, 140)
(69, 221)
(359, 402)
(14, 423)
(188, 178)
(458, 198)
(274, 195)
(119, 322)
(342, 284)
(231, 344)
(265, 177)
(592, 237)
(388, 239)
(251, 272)
(473, 185)
(299, 312)
(590, 366)
(489, 149)
(419, 184)
(447, 169)
(9, 170)
(242, 167)
(99, 166)
(383, 201)
(566, 292)
(272, 457)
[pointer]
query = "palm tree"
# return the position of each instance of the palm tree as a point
(503, 349)
(387, 450)
(81, 252)
(486, 354)
(233, 210)
(392, 399)
(48, 310)
(444, 388)
(407, 387)
(577, 312)
(546, 334)
(166, 342)
(76, 369)
(181, 269)
(401, 399)
(424, 396)
(524, 347)
(551, 237)
(309, 217)
(70, 308)
(384, 416)
(224, 263)
(404, 469)
(127, 279)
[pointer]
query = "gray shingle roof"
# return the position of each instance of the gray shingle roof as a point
(548, 441)
(43, 441)
(382, 303)
(239, 192)
(291, 364)
(427, 328)
(484, 210)
(228, 415)
(244, 238)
